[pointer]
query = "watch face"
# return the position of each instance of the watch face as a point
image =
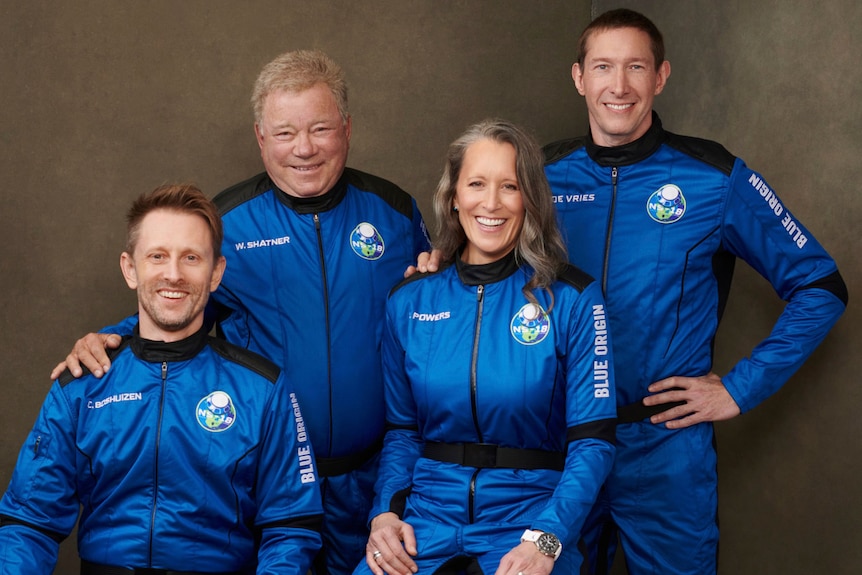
(548, 544)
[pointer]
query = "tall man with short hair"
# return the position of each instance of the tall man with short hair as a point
(660, 219)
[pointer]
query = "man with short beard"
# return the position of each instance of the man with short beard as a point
(186, 456)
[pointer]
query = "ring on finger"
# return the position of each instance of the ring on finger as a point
(377, 555)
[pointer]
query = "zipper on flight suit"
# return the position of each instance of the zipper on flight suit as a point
(319, 232)
(480, 303)
(609, 230)
(156, 461)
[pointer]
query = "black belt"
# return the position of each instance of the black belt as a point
(637, 411)
(490, 455)
(88, 568)
(333, 466)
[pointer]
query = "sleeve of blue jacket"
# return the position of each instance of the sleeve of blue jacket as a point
(40, 507)
(590, 417)
(759, 228)
(402, 445)
(289, 506)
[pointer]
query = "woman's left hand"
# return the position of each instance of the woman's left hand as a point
(525, 559)
(391, 544)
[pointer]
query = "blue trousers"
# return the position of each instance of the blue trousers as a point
(660, 502)
(347, 501)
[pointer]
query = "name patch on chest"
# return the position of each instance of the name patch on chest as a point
(263, 243)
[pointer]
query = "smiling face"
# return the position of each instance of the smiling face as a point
(489, 202)
(303, 140)
(619, 81)
(173, 270)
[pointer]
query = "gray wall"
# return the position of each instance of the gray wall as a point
(101, 101)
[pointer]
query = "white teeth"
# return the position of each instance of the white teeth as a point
(171, 294)
(619, 106)
(490, 221)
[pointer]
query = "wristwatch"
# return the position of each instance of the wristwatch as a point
(547, 543)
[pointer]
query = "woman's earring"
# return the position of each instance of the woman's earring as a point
(454, 208)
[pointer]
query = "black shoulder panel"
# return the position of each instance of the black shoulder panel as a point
(562, 148)
(239, 193)
(408, 280)
(66, 377)
(389, 192)
(706, 151)
(249, 359)
(418, 276)
(576, 277)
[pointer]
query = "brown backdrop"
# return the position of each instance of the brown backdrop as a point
(102, 100)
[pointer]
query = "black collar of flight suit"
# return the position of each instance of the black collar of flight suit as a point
(315, 204)
(630, 153)
(159, 351)
(483, 274)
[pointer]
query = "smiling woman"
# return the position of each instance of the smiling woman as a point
(512, 156)
(488, 201)
(494, 401)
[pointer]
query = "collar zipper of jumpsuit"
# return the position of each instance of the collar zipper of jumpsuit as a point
(319, 231)
(609, 230)
(156, 460)
(480, 302)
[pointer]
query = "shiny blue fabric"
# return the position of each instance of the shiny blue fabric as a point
(163, 478)
(456, 372)
(661, 221)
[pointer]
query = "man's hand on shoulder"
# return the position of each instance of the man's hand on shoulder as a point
(89, 351)
(426, 262)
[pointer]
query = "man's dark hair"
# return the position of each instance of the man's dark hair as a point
(623, 18)
(182, 198)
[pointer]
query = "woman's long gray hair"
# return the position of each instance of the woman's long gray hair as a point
(540, 243)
